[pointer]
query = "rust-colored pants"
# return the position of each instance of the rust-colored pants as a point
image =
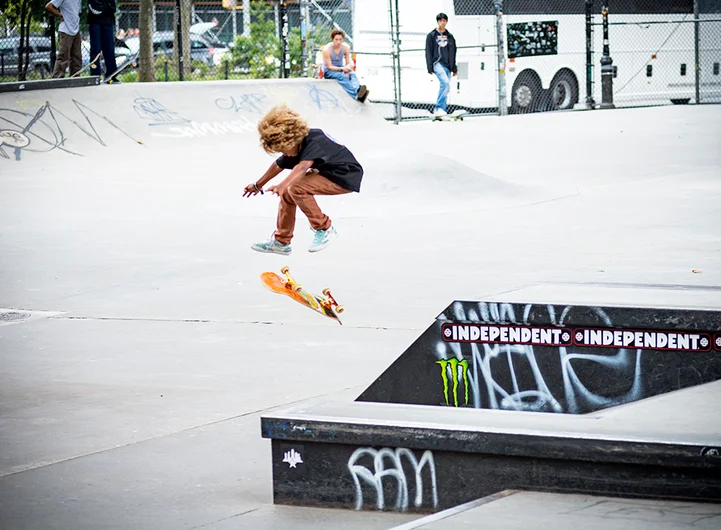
(300, 194)
(69, 53)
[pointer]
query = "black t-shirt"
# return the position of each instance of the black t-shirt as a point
(101, 12)
(442, 43)
(332, 160)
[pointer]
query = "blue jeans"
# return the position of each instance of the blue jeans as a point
(349, 85)
(102, 38)
(444, 76)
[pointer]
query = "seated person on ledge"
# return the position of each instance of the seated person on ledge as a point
(333, 68)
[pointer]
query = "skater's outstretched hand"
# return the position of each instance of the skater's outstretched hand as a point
(277, 189)
(252, 189)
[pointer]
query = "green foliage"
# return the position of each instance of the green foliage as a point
(258, 54)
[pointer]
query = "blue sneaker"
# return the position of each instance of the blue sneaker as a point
(272, 247)
(322, 239)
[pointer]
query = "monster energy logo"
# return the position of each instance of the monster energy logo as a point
(452, 365)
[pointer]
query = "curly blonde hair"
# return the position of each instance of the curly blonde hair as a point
(281, 128)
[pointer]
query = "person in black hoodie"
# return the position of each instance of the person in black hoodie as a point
(441, 60)
(101, 25)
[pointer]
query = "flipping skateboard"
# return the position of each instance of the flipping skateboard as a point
(325, 305)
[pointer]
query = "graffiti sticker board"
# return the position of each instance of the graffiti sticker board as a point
(529, 39)
(552, 358)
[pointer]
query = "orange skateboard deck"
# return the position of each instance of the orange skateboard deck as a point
(324, 305)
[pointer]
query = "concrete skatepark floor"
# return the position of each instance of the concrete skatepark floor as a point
(138, 347)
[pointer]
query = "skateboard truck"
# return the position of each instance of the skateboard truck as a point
(290, 283)
(330, 302)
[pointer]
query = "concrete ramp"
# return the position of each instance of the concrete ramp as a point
(157, 131)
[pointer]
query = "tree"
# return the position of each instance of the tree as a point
(24, 16)
(259, 53)
(146, 63)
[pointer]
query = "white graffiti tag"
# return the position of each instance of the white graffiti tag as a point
(14, 139)
(375, 476)
(516, 360)
(199, 129)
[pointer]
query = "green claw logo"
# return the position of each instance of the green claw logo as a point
(453, 364)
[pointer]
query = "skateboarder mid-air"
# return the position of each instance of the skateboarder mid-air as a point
(319, 166)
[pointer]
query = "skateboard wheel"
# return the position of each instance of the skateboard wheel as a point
(339, 309)
(284, 269)
(298, 287)
(326, 291)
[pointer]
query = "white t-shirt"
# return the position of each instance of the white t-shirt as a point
(70, 9)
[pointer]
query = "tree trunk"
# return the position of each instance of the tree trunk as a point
(187, 15)
(21, 42)
(27, 43)
(186, 10)
(146, 58)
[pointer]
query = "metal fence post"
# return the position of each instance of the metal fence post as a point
(285, 59)
(589, 54)
(501, 58)
(399, 106)
(606, 66)
(178, 29)
(396, 80)
(696, 51)
(303, 39)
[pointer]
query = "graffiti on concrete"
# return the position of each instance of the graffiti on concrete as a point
(252, 103)
(14, 140)
(492, 365)
(176, 126)
(48, 127)
(323, 99)
(155, 112)
(388, 462)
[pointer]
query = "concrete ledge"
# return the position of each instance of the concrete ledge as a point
(46, 84)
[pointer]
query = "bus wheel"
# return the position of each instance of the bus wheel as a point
(525, 93)
(564, 91)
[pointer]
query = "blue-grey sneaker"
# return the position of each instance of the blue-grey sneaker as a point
(322, 239)
(272, 247)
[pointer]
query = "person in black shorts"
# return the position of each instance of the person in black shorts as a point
(319, 166)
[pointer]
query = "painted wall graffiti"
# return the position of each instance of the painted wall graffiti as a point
(14, 140)
(155, 112)
(176, 126)
(253, 103)
(389, 463)
(490, 364)
(47, 128)
(323, 99)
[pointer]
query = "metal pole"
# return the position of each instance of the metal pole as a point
(246, 18)
(397, 118)
(303, 40)
(233, 13)
(399, 106)
(285, 59)
(606, 66)
(696, 51)
(501, 58)
(309, 24)
(178, 29)
(589, 54)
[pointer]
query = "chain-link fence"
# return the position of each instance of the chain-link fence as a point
(216, 39)
(663, 51)
(515, 55)
(547, 55)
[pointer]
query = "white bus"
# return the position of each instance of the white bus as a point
(544, 52)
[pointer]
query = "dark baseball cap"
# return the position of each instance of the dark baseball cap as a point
(440, 16)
